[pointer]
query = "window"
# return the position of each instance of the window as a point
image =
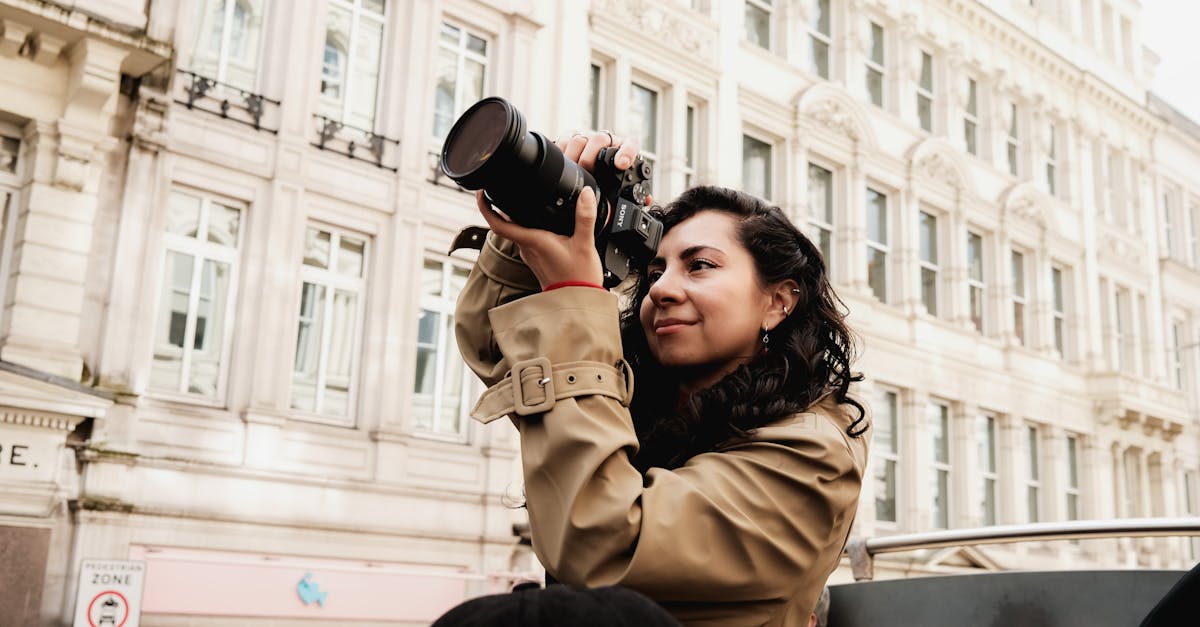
(877, 244)
(929, 263)
(885, 455)
(756, 167)
(10, 151)
(1112, 188)
(228, 41)
(938, 417)
(462, 60)
(971, 118)
(986, 440)
(758, 23)
(1168, 217)
(643, 120)
(820, 36)
(1125, 340)
(1175, 367)
(1059, 313)
(1019, 300)
(595, 96)
(1014, 140)
(332, 289)
(876, 66)
(689, 146)
(1072, 477)
(1190, 508)
(925, 93)
(1052, 160)
(1033, 476)
(350, 71)
(439, 390)
(975, 284)
(196, 301)
(1194, 233)
(1132, 462)
(820, 209)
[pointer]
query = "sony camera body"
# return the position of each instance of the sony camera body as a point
(526, 176)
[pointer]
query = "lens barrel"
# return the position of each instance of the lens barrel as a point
(522, 173)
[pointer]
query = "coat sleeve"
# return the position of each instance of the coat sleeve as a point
(756, 522)
(499, 277)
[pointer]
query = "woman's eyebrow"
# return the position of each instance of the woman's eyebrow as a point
(689, 252)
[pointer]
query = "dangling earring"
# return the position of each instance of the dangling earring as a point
(765, 340)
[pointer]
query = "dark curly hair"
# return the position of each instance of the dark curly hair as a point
(810, 355)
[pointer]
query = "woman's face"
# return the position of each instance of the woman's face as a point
(706, 307)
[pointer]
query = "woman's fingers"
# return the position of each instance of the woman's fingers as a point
(585, 219)
(504, 228)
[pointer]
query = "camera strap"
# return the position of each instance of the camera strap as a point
(533, 387)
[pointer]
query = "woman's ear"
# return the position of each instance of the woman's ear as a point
(785, 296)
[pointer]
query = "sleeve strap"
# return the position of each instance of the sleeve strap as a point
(539, 385)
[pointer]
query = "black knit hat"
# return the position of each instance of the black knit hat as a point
(559, 605)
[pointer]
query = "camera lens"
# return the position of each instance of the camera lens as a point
(523, 174)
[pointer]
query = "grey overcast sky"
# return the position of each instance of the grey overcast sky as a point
(1169, 29)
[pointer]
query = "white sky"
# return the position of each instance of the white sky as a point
(1169, 29)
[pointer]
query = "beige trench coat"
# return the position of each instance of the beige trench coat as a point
(745, 536)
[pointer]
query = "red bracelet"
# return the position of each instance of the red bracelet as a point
(555, 286)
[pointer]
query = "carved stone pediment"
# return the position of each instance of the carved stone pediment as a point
(655, 22)
(832, 115)
(934, 167)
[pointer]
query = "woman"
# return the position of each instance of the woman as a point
(726, 486)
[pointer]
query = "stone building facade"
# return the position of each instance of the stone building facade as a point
(225, 343)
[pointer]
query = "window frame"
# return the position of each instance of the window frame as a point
(1072, 490)
(816, 38)
(1012, 141)
(930, 266)
(650, 151)
(332, 281)
(201, 251)
(1020, 297)
(977, 284)
(817, 228)
(881, 456)
(223, 53)
(971, 118)
(357, 14)
(764, 6)
(1052, 159)
(443, 305)
(1032, 448)
(989, 477)
(462, 54)
(941, 518)
(925, 93)
(1059, 297)
(883, 248)
(769, 173)
(873, 67)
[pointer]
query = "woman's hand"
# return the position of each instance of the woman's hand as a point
(555, 258)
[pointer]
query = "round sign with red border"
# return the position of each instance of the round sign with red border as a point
(110, 612)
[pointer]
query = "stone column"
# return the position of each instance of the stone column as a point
(56, 218)
(916, 461)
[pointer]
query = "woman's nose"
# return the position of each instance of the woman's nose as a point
(666, 289)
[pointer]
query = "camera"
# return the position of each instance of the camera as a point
(526, 176)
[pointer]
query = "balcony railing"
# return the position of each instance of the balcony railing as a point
(354, 142)
(862, 551)
(232, 103)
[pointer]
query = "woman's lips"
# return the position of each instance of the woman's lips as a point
(671, 326)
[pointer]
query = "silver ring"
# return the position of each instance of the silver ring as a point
(611, 140)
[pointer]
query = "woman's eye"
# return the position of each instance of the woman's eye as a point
(653, 275)
(700, 264)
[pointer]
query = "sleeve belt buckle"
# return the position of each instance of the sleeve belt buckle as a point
(545, 381)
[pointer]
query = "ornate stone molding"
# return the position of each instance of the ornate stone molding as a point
(652, 21)
(1025, 207)
(936, 168)
(42, 421)
(831, 115)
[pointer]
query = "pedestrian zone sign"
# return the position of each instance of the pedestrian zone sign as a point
(110, 593)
